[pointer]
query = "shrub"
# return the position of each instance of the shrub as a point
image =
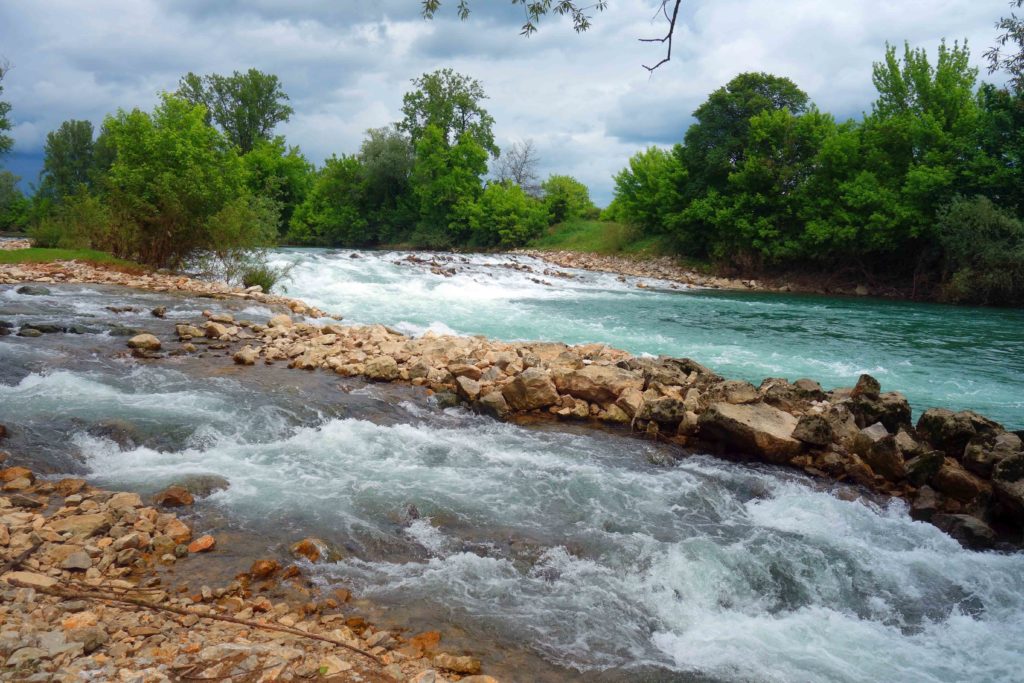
(983, 252)
(264, 275)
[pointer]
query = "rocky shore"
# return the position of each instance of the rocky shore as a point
(668, 268)
(88, 592)
(14, 244)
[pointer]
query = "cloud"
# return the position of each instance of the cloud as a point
(584, 99)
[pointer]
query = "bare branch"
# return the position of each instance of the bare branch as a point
(667, 38)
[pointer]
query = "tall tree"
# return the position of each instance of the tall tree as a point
(247, 106)
(451, 102)
(518, 165)
(565, 198)
(715, 144)
(388, 158)
(68, 159)
(280, 173)
(6, 141)
(446, 182)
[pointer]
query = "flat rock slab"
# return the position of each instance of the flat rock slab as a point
(754, 429)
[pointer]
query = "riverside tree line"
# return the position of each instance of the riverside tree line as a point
(927, 188)
(203, 175)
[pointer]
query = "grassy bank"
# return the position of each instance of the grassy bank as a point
(598, 237)
(41, 255)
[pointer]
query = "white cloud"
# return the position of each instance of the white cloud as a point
(584, 99)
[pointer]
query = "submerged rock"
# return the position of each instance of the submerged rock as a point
(33, 290)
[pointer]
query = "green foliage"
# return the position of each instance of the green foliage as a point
(715, 145)
(171, 177)
(279, 173)
(535, 10)
(388, 157)
(508, 216)
(333, 213)
(14, 206)
(446, 182)
(647, 191)
(1012, 35)
(764, 179)
(263, 275)
(68, 159)
(80, 221)
(6, 141)
(565, 198)
(983, 249)
(246, 106)
(450, 102)
(599, 237)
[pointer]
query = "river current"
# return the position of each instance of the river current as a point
(555, 553)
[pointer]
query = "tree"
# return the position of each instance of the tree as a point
(13, 204)
(518, 164)
(247, 107)
(1012, 28)
(450, 102)
(280, 173)
(388, 157)
(446, 184)
(565, 198)
(647, 191)
(68, 159)
(334, 212)
(171, 176)
(715, 144)
(6, 141)
(508, 216)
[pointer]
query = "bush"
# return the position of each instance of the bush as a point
(983, 253)
(80, 222)
(264, 275)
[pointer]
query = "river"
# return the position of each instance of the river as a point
(554, 553)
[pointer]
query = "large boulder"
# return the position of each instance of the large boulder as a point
(664, 410)
(950, 432)
(890, 408)
(756, 429)
(814, 430)
(985, 451)
(957, 483)
(970, 531)
(145, 342)
(531, 389)
(1008, 484)
(383, 368)
(598, 383)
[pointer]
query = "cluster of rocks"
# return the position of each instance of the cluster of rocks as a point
(84, 596)
(14, 244)
(75, 272)
(960, 471)
(658, 268)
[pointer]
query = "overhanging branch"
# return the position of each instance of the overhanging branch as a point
(667, 38)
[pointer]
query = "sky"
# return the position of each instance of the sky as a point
(584, 99)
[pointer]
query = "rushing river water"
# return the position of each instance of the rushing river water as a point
(555, 553)
(955, 357)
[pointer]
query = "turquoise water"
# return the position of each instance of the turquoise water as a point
(955, 357)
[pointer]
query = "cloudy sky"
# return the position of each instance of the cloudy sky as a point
(585, 99)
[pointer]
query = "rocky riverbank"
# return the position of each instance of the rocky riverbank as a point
(93, 586)
(668, 268)
(14, 244)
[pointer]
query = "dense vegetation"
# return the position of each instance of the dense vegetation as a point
(925, 189)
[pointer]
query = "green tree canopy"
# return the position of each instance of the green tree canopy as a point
(68, 159)
(565, 198)
(647, 191)
(451, 102)
(246, 106)
(715, 145)
(13, 204)
(6, 141)
(280, 173)
(171, 177)
(446, 182)
(334, 211)
(509, 217)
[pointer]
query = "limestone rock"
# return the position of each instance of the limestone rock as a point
(957, 483)
(531, 389)
(460, 665)
(494, 403)
(755, 429)
(283, 320)
(246, 355)
(174, 496)
(664, 410)
(598, 383)
(82, 525)
(814, 429)
(383, 368)
(144, 342)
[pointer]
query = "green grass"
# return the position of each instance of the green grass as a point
(40, 255)
(597, 237)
